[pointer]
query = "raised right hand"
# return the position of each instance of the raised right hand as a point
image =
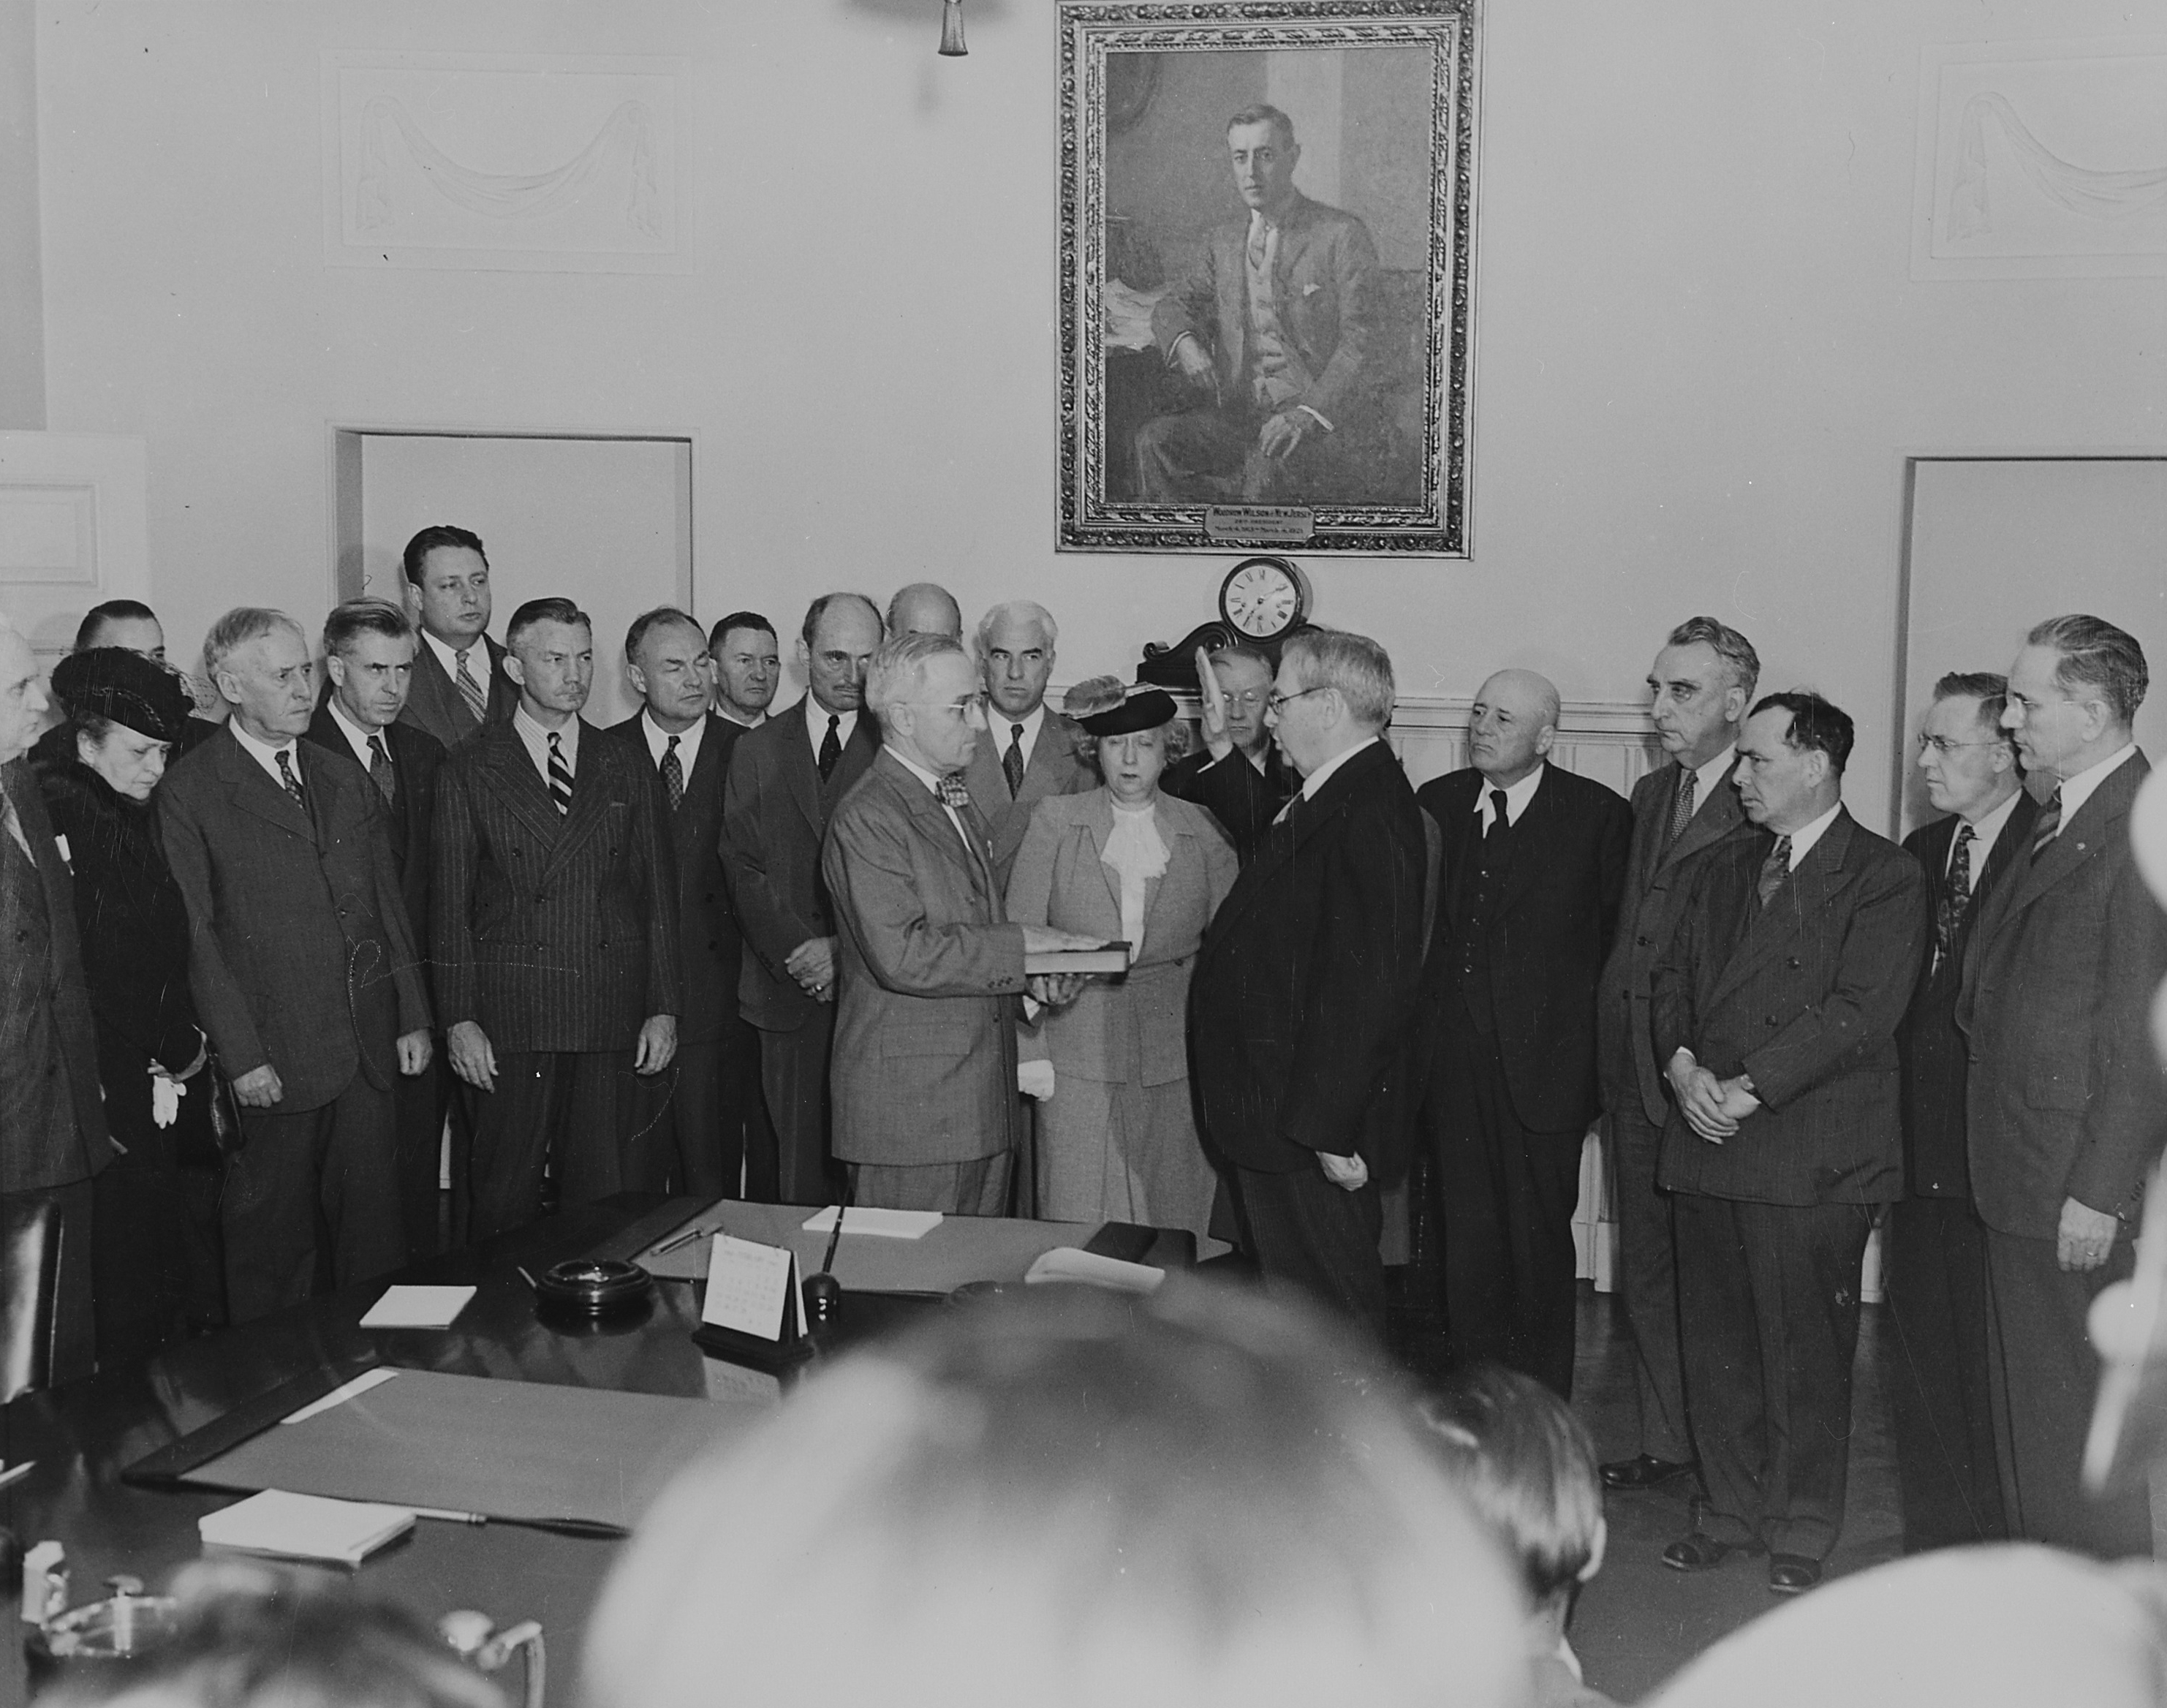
(1213, 699)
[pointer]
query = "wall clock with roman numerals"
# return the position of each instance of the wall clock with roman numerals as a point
(1263, 599)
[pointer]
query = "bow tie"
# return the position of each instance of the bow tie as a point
(952, 792)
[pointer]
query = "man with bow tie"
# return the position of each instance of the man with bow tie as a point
(1775, 1014)
(304, 969)
(1936, 1246)
(932, 970)
(1277, 336)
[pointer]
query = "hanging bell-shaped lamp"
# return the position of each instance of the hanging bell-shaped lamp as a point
(952, 29)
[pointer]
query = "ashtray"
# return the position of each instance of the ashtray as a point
(594, 1287)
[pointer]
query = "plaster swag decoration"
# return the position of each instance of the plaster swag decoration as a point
(2097, 195)
(628, 134)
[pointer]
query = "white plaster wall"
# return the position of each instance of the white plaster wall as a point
(1700, 360)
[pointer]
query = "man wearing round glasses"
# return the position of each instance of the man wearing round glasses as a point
(1239, 777)
(1937, 1247)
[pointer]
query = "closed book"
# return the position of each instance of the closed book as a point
(1107, 957)
(305, 1526)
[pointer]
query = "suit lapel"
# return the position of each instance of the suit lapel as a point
(591, 794)
(2095, 827)
(509, 771)
(250, 790)
(1813, 884)
(800, 774)
(931, 818)
(1098, 831)
(1535, 832)
(1712, 820)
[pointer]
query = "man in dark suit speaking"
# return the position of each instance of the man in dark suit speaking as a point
(709, 1102)
(1300, 1002)
(1533, 862)
(555, 926)
(2067, 1108)
(1943, 1416)
(1776, 1014)
(304, 969)
(368, 653)
(1277, 334)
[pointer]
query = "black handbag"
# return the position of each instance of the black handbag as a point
(225, 1108)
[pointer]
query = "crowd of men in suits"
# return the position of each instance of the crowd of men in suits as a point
(730, 950)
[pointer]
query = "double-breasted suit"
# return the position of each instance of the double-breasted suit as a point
(300, 958)
(52, 1122)
(1056, 768)
(1804, 994)
(1527, 911)
(710, 1095)
(2065, 1101)
(435, 704)
(411, 819)
(930, 970)
(1118, 1139)
(1934, 1249)
(557, 934)
(1659, 884)
(1299, 1010)
(775, 812)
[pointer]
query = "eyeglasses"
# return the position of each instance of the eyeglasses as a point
(1942, 745)
(964, 707)
(1277, 704)
(1249, 697)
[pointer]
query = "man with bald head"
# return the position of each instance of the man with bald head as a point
(924, 608)
(1533, 870)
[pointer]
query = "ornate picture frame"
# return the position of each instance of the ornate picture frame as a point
(1267, 237)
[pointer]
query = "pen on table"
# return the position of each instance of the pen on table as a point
(527, 1278)
(684, 1238)
(596, 1527)
(835, 1238)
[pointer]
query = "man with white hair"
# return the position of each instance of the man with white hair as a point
(924, 1066)
(52, 1116)
(1034, 751)
(304, 968)
(1300, 1002)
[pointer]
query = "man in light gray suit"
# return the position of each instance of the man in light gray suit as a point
(1033, 750)
(924, 1072)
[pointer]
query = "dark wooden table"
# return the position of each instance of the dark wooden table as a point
(83, 1437)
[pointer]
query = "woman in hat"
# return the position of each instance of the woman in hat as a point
(154, 1251)
(1117, 1139)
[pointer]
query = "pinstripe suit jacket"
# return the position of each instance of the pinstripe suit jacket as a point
(1805, 996)
(52, 1122)
(1659, 883)
(924, 1065)
(300, 954)
(775, 812)
(2065, 1096)
(553, 933)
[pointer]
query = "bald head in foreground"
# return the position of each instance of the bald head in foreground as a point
(1073, 1496)
(1533, 868)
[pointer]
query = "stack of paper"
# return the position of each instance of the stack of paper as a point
(889, 1224)
(304, 1527)
(417, 1307)
(1066, 1263)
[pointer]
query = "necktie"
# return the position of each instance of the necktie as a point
(560, 774)
(1259, 238)
(831, 750)
(1955, 899)
(470, 689)
(293, 783)
(1499, 823)
(1682, 811)
(1774, 870)
(380, 772)
(1012, 760)
(954, 795)
(673, 775)
(2049, 824)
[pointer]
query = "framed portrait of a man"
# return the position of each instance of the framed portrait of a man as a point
(1266, 225)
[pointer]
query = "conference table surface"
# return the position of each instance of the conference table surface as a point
(84, 1435)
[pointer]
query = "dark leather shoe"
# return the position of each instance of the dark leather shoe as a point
(1699, 1551)
(1792, 1574)
(1645, 1471)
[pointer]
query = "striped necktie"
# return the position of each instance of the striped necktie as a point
(560, 774)
(292, 782)
(2049, 824)
(673, 775)
(470, 689)
(380, 772)
(1012, 760)
(1774, 870)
